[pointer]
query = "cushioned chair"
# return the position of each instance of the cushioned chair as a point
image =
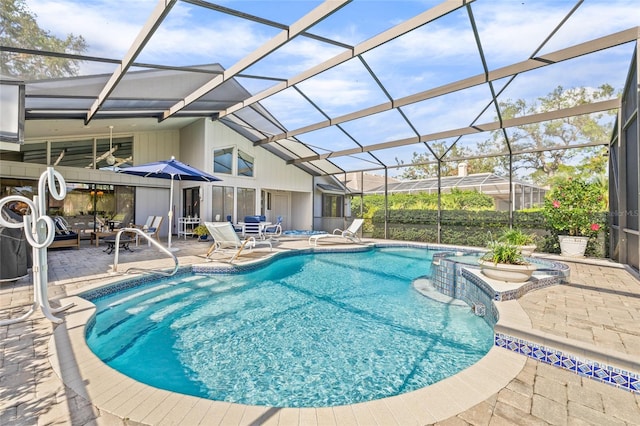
(252, 227)
(350, 234)
(224, 237)
(237, 229)
(65, 236)
(273, 231)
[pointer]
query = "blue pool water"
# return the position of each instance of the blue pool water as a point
(309, 330)
(301, 233)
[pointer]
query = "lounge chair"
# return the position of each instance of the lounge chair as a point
(350, 234)
(64, 235)
(147, 224)
(224, 237)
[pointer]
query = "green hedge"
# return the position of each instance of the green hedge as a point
(474, 228)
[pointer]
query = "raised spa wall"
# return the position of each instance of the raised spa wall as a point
(465, 281)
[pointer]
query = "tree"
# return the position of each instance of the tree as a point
(541, 138)
(562, 133)
(18, 28)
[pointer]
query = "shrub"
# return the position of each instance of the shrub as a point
(572, 207)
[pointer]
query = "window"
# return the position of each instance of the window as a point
(223, 202)
(223, 161)
(245, 164)
(224, 158)
(246, 202)
(332, 205)
(108, 202)
(76, 153)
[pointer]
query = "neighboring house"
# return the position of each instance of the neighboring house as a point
(525, 195)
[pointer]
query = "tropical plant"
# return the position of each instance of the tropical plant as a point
(502, 252)
(571, 207)
(201, 231)
(517, 237)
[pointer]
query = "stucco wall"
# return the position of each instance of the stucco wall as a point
(194, 145)
(197, 144)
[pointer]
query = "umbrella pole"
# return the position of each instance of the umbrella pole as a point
(170, 213)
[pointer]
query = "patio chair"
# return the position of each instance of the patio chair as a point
(224, 237)
(350, 234)
(147, 224)
(237, 229)
(273, 231)
(153, 230)
(252, 227)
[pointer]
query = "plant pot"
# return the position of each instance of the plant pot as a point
(203, 238)
(527, 250)
(506, 272)
(573, 246)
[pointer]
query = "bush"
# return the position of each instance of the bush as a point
(462, 227)
(571, 206)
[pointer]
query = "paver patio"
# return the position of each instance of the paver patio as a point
(600, 306)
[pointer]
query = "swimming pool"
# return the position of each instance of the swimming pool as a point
(308, 330)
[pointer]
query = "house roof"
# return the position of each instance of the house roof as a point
(483, 182)
(340, 86)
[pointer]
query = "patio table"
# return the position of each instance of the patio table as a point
(124, 243)
(96, 235)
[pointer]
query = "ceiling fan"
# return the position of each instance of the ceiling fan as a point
(111, 160)
(108, 156)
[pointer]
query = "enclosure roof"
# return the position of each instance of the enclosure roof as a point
(333, 86)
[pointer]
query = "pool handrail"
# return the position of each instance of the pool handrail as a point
(151, 241)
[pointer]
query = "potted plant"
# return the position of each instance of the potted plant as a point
(524, 241)
(504, 262)
(202, 232)
(570, 208)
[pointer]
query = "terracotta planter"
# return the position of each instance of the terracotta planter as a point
(506, 272)
(573, 246)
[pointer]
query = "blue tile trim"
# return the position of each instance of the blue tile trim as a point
(126, 283)
(598, 371)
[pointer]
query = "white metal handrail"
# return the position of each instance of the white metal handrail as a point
(152, 241)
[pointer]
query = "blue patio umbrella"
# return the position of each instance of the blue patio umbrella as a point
(169, 169)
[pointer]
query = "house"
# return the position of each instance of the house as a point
(523, 194)
(254, 179)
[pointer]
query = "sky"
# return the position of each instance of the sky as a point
(441, 52)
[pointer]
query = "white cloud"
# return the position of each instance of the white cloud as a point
(109, 27)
